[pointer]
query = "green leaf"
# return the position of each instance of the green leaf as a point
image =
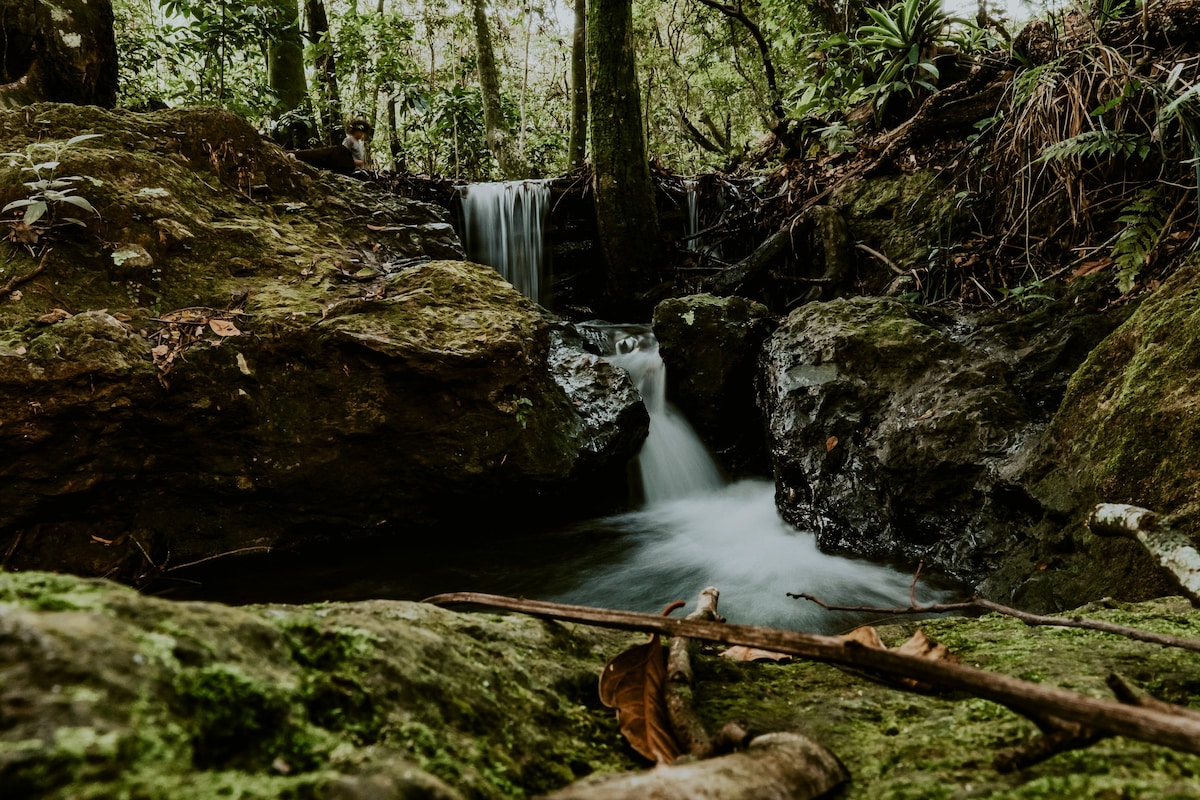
(34, 212)
(83, 137)
(80, 202)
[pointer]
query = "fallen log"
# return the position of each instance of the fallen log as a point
(775, 766)
(1030, 699)
(1172, 548)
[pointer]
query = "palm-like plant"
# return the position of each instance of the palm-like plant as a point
(900, 47)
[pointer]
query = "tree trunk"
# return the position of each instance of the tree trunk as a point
(329, 101)
(64, 52)
(577, 147)
(626, 215)
(499, 140)
(285, 71)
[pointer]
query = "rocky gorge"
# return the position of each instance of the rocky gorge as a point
(233, 352)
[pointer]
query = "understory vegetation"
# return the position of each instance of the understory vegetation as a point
(1075, 147)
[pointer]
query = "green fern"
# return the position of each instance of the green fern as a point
(1100, 143)
(1144, 222)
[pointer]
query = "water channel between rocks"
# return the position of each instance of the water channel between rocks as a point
(694, 529)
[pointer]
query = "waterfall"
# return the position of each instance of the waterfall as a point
(502, 226)
(691, 186)
(674, 463)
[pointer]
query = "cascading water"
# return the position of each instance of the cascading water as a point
(691, 189)
(673, 461)
(503, 226)
(695, 530)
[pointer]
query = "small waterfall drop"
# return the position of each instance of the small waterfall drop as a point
(673, 461)
(691, 186)
(503, 226)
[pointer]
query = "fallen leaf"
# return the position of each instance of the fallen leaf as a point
(53, 315)
(917, 646)
(223, 327)
(633, 684)
(743, 653)
(1088, 267)
(831, 443)
(160, 351)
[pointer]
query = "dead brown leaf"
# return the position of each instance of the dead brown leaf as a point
(223, 327)
(918, 646)
(742, 653)
(633, 683)
(53, 315)
(831, 443)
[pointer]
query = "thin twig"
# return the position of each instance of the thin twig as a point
(17, 280)
(261, 548)
(974, 603)
(887, 262)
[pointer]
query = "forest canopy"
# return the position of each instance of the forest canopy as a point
(716, 79)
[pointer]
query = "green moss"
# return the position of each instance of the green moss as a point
(241, 722)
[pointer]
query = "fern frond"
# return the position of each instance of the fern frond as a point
(1100, 143)
(1143, 225)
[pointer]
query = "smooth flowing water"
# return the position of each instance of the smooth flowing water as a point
(503, 226)
(697, 530)
(692, 189)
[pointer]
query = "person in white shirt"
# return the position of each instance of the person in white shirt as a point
(358, 131)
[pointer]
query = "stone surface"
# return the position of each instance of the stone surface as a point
(907, 434)
(107, 693)
(298, 358)
(710, 347)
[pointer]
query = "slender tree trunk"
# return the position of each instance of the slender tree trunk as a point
(499, 140)
(625, 211)
(285, 57)
(329, 98)
(577, 146)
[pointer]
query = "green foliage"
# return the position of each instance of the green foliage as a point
(899, 47)
(220, 51)
(1101, 143)
(48, 191)
(1144, 222)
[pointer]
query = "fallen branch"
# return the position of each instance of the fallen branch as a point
(688, 729)
(17, 280)
(1033, 700)
(1172, 548)
(978, 603)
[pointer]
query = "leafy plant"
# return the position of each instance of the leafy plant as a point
(48, 190)
(1144, 222)
(1101, 143)
(900, 45)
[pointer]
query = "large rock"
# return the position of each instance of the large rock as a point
(106, 693)
(710, 347)
(893, 439)
(1127, 431)
(261, 354)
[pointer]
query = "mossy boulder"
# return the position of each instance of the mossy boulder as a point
(889, 436)
(237, 350)
(901, 216)
(107, 693)
(1126, 432)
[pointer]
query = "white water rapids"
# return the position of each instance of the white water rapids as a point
(696, 530)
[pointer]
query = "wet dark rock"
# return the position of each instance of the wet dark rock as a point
(710, 347)
(907, 434)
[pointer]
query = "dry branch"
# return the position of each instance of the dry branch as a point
(978, 603)
(17, 280)
(688, 729)
(1033, 700)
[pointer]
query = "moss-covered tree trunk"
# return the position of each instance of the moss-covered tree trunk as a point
(329, 99)
(285, 71)
(499, 140)
(577, 146)
(62, 52)
(625, 209)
